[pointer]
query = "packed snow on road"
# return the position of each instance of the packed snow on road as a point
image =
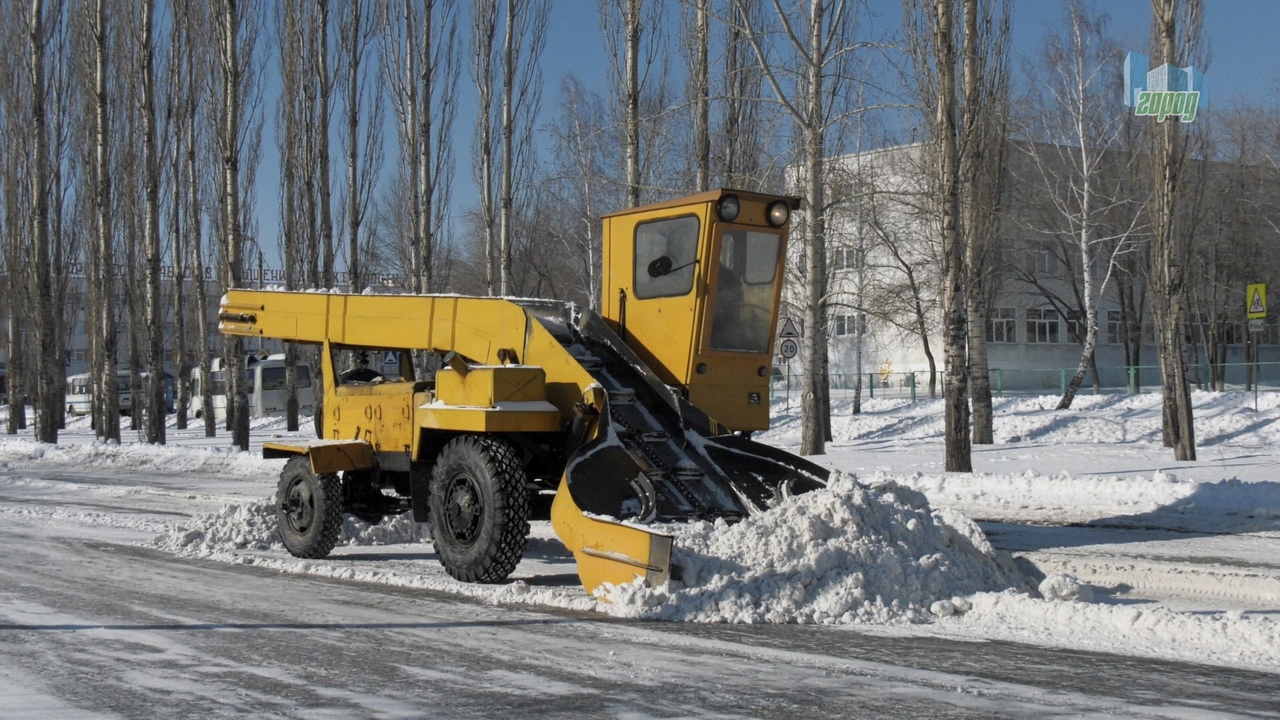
(1077, 529)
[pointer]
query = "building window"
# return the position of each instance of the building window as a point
(1042, 326)
(848, 325)
(1115, 328)
(1041, 262)
(844, 258)
(1002, 326)
(1076, 327)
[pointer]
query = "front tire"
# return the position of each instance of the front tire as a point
(308, 508)
(479, 508)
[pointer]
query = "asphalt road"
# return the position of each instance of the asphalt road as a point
(91, 628)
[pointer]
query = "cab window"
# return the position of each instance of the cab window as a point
(665, 251)
(747, 274)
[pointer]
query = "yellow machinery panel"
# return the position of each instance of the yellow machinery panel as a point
(378, 413)
(486, 386)
(326, 456)
(475, 328)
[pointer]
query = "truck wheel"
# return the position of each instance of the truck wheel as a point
(479, 508)
(309, 509)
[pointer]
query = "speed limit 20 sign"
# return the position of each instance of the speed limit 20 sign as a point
(788, 348)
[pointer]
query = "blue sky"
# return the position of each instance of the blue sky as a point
(1241, 35)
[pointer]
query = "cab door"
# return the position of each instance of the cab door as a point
(654, 286)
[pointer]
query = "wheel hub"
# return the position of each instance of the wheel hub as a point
(463, 511)
(299, 507)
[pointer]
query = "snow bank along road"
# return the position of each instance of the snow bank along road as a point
(109, 601)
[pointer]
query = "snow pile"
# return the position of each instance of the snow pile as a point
(253, 526)
(1232, 638)
(241, 526)
(1110, 419)
(1064, 587)
(847, 554)
(139, 456)
(398, 530)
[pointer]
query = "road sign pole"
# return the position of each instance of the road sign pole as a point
(1255, 309)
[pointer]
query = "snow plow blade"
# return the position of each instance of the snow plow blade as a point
(625, 478)
(608, 551)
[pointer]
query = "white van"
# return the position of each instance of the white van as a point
(265, 385)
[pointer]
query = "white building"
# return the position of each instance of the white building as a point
(882, 257)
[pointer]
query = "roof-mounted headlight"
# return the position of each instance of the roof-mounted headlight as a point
(728, 208)
(779, 213)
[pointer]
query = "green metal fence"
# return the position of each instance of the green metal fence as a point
(1037, 381)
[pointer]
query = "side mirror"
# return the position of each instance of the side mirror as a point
(660, 267)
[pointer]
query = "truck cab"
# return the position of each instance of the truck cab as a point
(693, 287)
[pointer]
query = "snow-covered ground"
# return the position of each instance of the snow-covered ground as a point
(1089, 534)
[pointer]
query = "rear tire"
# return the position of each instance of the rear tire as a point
(479, 508)
(308, 508)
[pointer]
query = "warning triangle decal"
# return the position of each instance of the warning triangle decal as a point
(1255, 303)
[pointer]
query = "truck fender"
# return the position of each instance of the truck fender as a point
(327, 456)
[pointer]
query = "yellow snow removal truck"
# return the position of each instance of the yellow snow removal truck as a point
(633, 416)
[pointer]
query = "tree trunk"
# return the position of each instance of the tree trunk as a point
(233, 348)
(955, 382)
(631, 30)
(181, 357)
(104, 384)
(508, 154)
(1167, 258)
(47, 405)
(814, 428)
(700, 86)
(198, 270)
(154, 405)
(324, 187)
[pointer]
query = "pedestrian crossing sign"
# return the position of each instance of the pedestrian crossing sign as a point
(1256, 300)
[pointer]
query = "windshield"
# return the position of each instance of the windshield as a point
(748, 272)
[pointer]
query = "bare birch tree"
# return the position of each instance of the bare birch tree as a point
(420, 64)
(579, 184)
(808, 83)
(623, 18)
(238, 25)
(741, 119)
(982, 154)
(175, 125)
(933, 47)
(48, 405)
(698, 47)
(14, 171)
(199, 62)
(154, 405)
(634, 44)
(1080, 165)
(1168, 246)
(293, 108)
(361, 95)
(484, 31)
(101, 311)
